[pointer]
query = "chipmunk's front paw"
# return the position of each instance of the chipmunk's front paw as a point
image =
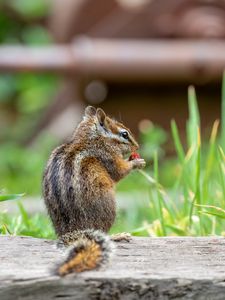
(139, 163)
(123, 236)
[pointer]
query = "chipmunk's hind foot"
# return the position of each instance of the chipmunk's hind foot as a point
(123, 236)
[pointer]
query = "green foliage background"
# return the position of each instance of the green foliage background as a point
(23, 98)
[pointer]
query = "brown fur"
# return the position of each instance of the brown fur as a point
(86, 259)
(90, 249)
(79, 180)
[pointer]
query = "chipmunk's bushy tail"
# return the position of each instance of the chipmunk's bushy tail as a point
(88, 250)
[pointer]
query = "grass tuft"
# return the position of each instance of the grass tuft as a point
(190, 202)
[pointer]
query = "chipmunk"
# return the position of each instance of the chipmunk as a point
(78, 188)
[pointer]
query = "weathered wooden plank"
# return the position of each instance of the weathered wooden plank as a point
(145, 268)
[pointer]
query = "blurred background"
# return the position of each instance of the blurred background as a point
(136, 60)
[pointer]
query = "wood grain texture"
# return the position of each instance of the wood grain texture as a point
(145, 268)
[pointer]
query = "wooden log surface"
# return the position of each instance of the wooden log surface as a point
(145, 268)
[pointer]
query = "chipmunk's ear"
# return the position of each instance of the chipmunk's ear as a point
(90, 111)
(101, 116)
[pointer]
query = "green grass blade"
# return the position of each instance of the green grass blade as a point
(179, 231)
(158, 194)
(222, 171)
(218, 211)
(193, 126)
(177, 142)
(24, 215)
(212, 207)
(5, 230)
(152, 181)
(223, 113)
(10, 197)
(210, 213)
(222, 154)
(211, 153)
(191, 211)
(197, 194)
(140, 230)
(211, 161)
(194, 119)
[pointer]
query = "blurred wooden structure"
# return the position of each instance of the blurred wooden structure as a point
(120, 60)
(145, 19)
(136, 57)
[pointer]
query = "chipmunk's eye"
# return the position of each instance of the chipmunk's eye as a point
(124, 134)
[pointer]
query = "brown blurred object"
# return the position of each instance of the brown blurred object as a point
(155, 87)
(138, 19)
(149, 20)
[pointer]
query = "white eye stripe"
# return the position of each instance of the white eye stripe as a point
(115, 137)
(122, 130)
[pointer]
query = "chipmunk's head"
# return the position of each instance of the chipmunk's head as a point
(115, 133)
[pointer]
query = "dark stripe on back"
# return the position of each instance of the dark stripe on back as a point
(68, 174)
(55, 182)
(54, 171)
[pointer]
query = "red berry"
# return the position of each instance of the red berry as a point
(134, 155)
